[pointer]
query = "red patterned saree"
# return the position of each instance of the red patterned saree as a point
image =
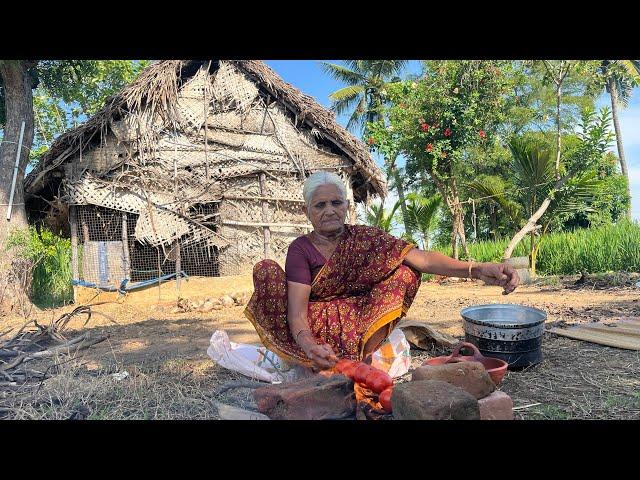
(362, 288)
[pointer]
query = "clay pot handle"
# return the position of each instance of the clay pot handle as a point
(461, 345)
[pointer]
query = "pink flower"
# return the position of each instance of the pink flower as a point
(425, 127)
(482, 134)
(447, 132)
(429, 147)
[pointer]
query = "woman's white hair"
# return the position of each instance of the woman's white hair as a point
(321, 178)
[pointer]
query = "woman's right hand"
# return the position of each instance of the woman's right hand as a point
(322, 356)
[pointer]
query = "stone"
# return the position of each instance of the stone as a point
(207, 306)
(433, 400)
(241, 298)
(217, 306)
(227, 301)
(314, 398)
(497, 406)
(470, 376)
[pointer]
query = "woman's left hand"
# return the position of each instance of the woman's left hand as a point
(498, 274)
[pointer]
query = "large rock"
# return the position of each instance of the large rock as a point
(470, 376)
(497, 406)
(313, 398)
(433, 400)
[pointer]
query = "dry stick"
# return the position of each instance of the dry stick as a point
(240, 384)
(526, 406)
(282, 144)
(81, 342)
(19, 332)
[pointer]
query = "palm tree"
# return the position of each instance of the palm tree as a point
(533, 166)
(620, 77)
(377, 216)
(364, 96)
(366, 81)
(423, 214)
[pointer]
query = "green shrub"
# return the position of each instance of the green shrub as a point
(51, 255)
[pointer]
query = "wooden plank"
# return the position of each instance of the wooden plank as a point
(614, 330)
(611, 339)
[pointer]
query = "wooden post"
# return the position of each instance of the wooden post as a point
(266, 232)
(126, 262)
(85, 231)
(178, 265)
(74, 247)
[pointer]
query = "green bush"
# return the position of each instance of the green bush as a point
(614, 247)
(51, 255)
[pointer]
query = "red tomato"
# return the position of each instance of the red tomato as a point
(385, 399)
(361, 372)
(378, 381)
(343, 364)
(350, 370)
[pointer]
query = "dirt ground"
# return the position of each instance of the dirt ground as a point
(171, 376)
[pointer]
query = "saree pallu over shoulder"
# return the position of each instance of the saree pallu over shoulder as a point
(363, 287)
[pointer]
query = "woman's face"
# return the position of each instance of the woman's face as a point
(328, 209)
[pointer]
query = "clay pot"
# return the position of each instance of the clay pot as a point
(495, 367)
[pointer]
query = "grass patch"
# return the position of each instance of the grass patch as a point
(611, 248)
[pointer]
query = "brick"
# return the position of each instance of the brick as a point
(432, 400)
(497, 406)
(313, 398)
(470, 376)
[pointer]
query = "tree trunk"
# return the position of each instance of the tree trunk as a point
(18, 108)
(403, 207)
(558, 133)
(613, 93)
(531, 223)
(458, 218)
(494, 223)
(393, 170)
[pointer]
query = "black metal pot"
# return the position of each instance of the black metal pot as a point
(512, 333)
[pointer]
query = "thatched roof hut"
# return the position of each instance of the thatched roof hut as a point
(195, 167)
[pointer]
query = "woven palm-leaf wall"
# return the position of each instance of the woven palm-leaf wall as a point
(224, 180)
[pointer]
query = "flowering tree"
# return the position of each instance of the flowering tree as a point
(434, 120)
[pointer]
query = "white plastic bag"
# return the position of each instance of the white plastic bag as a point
(394, 355)
(251, 360)
(259, 363)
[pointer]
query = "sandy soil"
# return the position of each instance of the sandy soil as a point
(145, 336)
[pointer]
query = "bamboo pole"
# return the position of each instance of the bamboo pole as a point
(74, 247)
(272, 199)
(265, 217)
(126, 262)
(271, 224)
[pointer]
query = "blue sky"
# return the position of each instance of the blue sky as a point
(307, 76)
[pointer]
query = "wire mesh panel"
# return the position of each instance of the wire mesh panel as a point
(106, 259)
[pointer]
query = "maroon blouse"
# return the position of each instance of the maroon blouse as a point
(304, 261)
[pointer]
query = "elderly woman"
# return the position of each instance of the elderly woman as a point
(345, 287)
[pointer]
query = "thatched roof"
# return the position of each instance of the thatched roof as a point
(156, 92)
